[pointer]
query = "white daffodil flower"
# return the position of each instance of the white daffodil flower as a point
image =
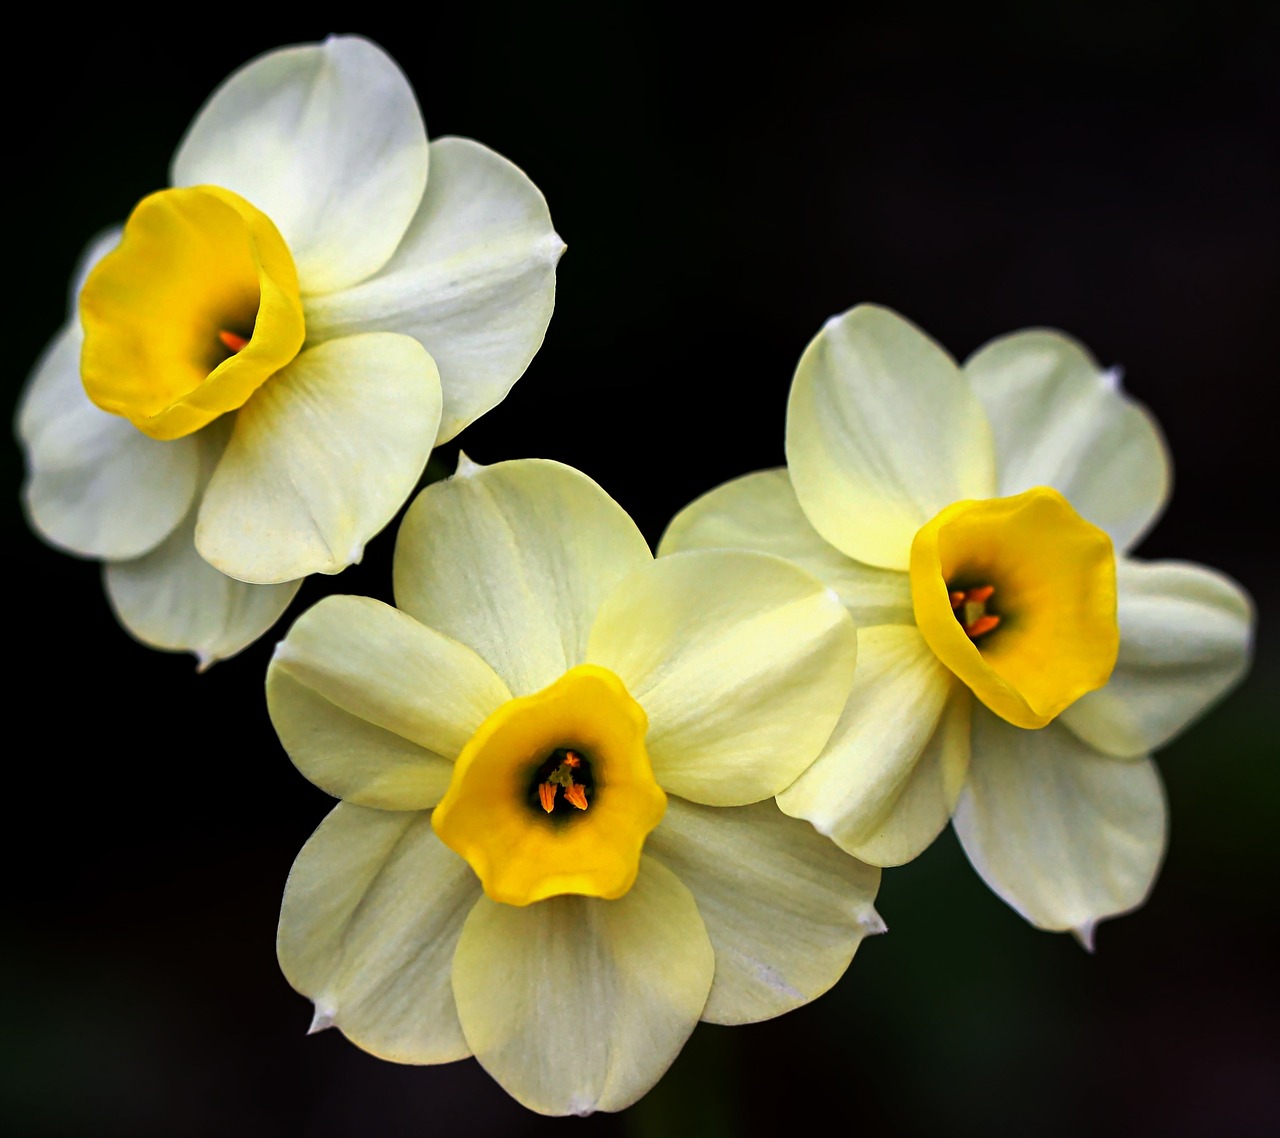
(1016, 667)
(557, 849)
(257, 366)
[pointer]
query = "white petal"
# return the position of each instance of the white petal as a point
(372, 706)
(1185, 641)
(474, 280)
(742, 662)
(882, 433)
(576, 1004)
(321, 458)
(372, 912)
(327, 140)
(884, 786)
(759, 511)
(784, 907)
(97, 485)
(1064, 834)
(513, 560)
(1060, 420)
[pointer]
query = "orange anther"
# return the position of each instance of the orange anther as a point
(957, 598)
(577, 795)
(981, 625)
(572, 759)
(981, 594)
(234, 342)
(547, 796)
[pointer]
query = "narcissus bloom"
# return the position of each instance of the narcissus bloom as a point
(257, 366)
(1016, 666)
(557, 848)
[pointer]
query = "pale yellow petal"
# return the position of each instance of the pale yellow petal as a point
(372, 911)
(882, 432)
(760, 512)
(1064, 834)
(575, 1004)
(784, 907)
(513, 560)
(372, 706)
(885, 783)
(742, 661)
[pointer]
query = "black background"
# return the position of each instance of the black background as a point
(724, 185)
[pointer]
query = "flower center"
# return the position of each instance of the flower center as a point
(1017, 596)
(191, 313)
(554, 793)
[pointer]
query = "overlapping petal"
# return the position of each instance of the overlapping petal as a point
(514, 560)
(784, 908)
(1060, 420)
(1185, 636)
(372, 706)
(894, 741)
(97, 486)
(882, 433)
(328, 141)
(372, 912)
(576, 1004)
(1064, 834)
(760, 512)
(742, 662)
(321, 459)
(473, 280)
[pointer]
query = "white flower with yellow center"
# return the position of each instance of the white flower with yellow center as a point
(1012, 668)
(257, 367)
(557, 848)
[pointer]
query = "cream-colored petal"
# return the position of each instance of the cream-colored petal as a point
(886, 782)
(474, 280)
(742, 662)
(96, 485)
(1064, 834)
(513, 560)
(1185, 640)
(882, 433)
(372, 912)
(759, 511)
(575, 1004)
(1060, 420)
(327, 140)
(321, 458)
(784, 907)
(372, 706)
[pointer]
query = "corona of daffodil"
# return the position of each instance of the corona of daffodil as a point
(557, 848)
(257, 366)
(1016, 665)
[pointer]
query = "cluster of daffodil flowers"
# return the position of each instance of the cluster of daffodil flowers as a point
(590, 797)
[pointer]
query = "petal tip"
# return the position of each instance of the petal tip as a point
(1083, 933)
(204, 661)
(1111, 378)
(466, 468)
(323, 1019)
(872, 923)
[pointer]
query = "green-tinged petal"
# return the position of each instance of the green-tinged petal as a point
(575, 1004)
(322, 457)
(1064, 834)
(1185, 640)
(513, 560)
(327, 140)
(474, 280)
(882, 433)
(96, 485)
(372, 706)
(742, 661)
(372, 913)
(885, 783)
(759, 511)
(1060, 420)
(785, 909)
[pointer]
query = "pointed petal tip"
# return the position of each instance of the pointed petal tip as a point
(466, 468)
(204, 661)
(356, 553)
(872, 923)
(322, 1020)
(1111, 378)
(1084, 934)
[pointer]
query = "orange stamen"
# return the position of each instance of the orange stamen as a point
(980, 595)
(572, 759)
(547, 796)
(577, 795)
(957, 598)
(982, 624)
(232, 341)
